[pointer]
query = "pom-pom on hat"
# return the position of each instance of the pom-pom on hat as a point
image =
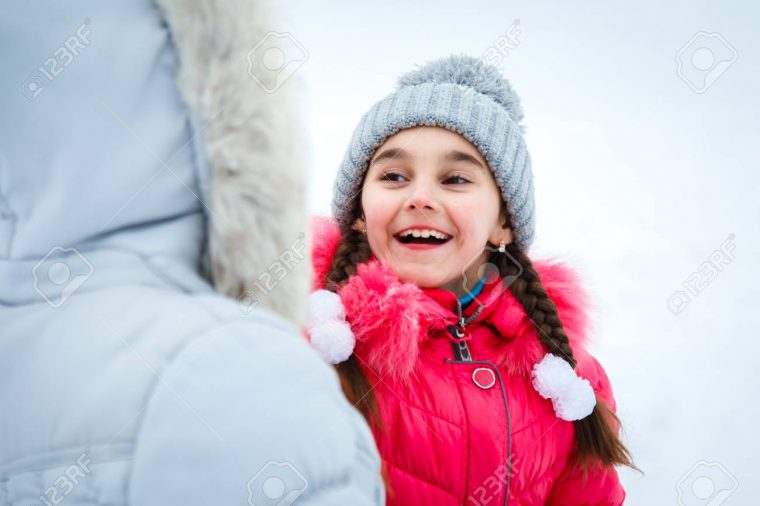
(466, 96)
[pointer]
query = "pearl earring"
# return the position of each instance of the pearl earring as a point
(502, 247)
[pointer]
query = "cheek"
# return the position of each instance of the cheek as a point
(378, 216)
(466, 210)
(472, 220)
(378, 206)
(468, 217)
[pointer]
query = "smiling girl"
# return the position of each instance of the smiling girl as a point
(466, 357)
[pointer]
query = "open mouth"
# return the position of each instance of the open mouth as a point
(422, 237)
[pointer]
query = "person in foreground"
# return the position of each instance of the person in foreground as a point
(467, 357)
(142, 190)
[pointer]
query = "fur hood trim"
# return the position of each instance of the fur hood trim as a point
(247, 126)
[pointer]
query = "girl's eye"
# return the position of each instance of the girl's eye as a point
(458, 177)
(392, 176)
(389, 176)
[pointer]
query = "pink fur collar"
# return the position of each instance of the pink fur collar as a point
(391, 318)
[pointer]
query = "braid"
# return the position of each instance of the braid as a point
(353, 249)
(595, 438)
(532, 295)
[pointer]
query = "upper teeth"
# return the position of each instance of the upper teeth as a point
(424, 233)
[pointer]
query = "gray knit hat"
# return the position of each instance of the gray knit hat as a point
(466, 96)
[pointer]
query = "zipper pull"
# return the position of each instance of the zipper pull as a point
(462, 352)
(459, 344)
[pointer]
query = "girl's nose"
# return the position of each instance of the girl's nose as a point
(421, 197)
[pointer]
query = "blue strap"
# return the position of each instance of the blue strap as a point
(467, 298)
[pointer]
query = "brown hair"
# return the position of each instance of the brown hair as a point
(596, 440)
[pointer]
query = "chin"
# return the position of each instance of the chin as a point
(423, 280)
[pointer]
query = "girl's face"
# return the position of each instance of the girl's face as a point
(429, 178)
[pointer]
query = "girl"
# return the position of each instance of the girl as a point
(465, 356)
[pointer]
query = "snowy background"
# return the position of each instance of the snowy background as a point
(646, 180)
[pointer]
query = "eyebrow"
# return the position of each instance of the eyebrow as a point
(460, 156)
(391, 153)
(451, 156)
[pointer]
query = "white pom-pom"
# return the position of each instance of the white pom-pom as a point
(577, 403)
(572, 397)
(552, 375)
(324, 306)
(330, 335)
(333, 340)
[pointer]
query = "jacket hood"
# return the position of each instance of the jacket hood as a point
(170, 160)
(391, 319)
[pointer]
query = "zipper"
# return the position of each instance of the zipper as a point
(462, 354)
(508, 421)
(459, 334)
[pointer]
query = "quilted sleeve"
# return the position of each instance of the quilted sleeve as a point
(248, 414)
